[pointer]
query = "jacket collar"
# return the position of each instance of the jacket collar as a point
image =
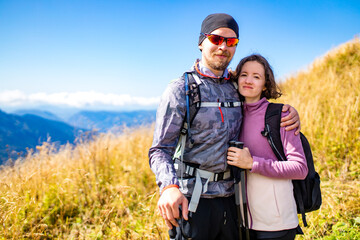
(205, 72)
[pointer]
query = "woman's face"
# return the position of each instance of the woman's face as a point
(252, 81)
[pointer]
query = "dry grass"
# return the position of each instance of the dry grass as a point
(327, 97)
(104, 189)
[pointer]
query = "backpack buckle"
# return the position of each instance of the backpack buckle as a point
(183, 131)
(218, 176)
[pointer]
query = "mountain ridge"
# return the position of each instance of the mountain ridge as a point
(24, 129)
(18, 134)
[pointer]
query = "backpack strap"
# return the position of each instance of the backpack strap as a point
(272, 129)
(192, 95)
(193, 101)
(299, 201)
(221, 104)
(272, 133)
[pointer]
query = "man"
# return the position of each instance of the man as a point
(213, 215)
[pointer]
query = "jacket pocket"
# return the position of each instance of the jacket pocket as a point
(208, 118)
(276, 202)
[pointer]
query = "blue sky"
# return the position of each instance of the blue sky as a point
(122, 54)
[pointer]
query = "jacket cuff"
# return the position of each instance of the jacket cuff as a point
(169, 186)
(256, 164)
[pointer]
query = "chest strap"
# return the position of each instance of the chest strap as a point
(221, 104)
(216, 104)
(199, 188)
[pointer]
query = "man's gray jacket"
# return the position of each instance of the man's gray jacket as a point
(212, 129)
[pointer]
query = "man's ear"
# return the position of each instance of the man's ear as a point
(201, 47)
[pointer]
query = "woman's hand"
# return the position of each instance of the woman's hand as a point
(240, 158)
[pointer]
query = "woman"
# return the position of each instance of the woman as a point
(271, 204)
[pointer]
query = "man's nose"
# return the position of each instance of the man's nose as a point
(223, 45)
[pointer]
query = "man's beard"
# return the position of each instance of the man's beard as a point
(219, 65)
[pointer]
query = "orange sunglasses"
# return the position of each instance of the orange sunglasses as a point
(217, 40)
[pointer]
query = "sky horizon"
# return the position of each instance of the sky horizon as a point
(121, 55)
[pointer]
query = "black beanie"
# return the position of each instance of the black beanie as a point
(215, 21)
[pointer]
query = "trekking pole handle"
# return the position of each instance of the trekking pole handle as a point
(236, 144)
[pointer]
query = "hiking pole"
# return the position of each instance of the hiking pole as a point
(239, 175)
(244, 199)
(237, 201)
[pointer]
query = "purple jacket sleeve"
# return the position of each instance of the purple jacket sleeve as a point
(169, 120)
(294, 168)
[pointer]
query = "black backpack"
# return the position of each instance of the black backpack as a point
(307, 192)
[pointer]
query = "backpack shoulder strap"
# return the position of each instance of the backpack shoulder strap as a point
(193, 92)
(272, 129)
(193, 101)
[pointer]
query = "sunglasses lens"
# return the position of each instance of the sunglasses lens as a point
(232, 42)
(214, 39)
(217, 40)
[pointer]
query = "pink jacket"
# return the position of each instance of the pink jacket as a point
(271, 205)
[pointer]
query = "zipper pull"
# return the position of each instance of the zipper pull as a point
(222, 116)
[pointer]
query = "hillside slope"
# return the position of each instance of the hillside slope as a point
(327, 96)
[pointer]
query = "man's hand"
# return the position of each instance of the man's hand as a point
(168, 206)
(292, 120)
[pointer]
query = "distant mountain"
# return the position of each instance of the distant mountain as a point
(107, 120)
(29, 128)
(20, 132)
(43, 114)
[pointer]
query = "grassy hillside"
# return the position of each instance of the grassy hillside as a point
(104, 189)
(101, 189)
(327, 97)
